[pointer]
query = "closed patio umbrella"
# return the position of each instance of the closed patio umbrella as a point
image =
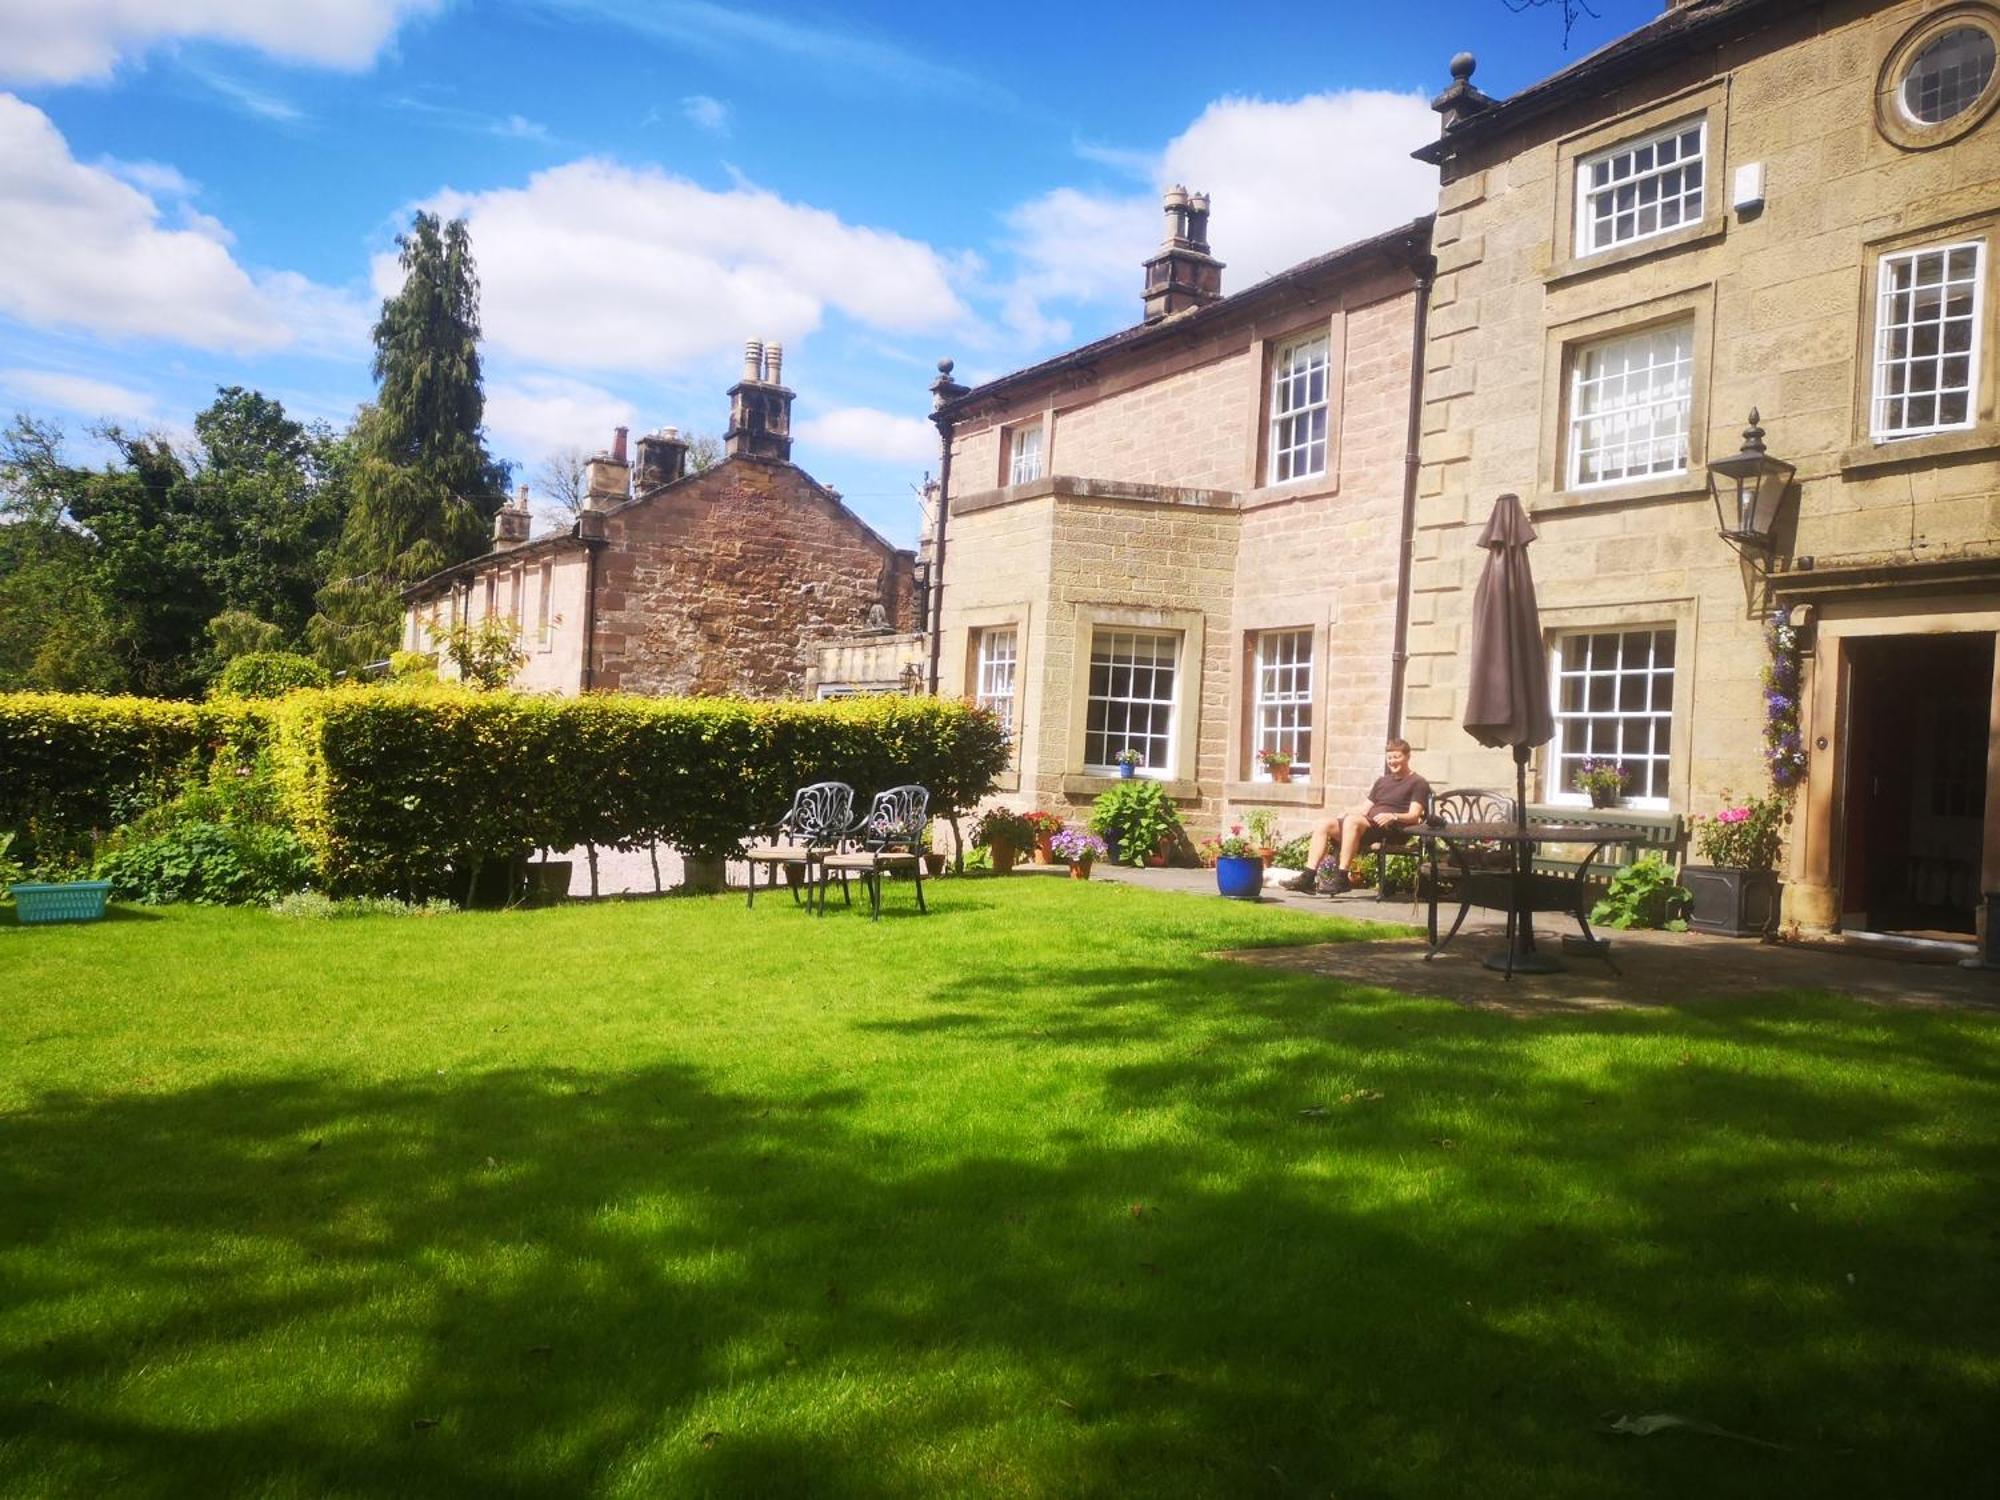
(1508, 699)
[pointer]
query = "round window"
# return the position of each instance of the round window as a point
(1948, 75)
(1941, 79)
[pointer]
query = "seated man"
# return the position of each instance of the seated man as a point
(1399, 799)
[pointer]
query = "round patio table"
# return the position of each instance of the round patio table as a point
(1517, 888)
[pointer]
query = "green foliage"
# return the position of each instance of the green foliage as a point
(312, 906)
(1262, 824)
(1642, 894)
(1396, 874)
(1003, 826)
(237, 632)
(10, 867)
(425, 488)
(1747, 837)
(1293, 853)
(486, 655)
(1137, 816)
(208, 863)
(270, 674)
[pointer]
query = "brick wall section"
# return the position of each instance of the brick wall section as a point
(731, 580)
(1783, 303)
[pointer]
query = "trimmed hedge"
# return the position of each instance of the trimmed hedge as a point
(269, 674)
(71, 763)
(401, 791)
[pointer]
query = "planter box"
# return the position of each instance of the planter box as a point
(1731, 903)
(70, 901)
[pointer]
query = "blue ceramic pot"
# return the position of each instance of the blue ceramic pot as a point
(1126, 771)
(1240, 878)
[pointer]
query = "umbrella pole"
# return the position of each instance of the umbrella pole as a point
(1521, 956)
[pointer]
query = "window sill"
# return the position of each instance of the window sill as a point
(1687, 485)
(1576, 267)
(1278, 793)
(1090, 783)
(1320, 486)
(1892, 451)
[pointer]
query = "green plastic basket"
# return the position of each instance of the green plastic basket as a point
(72, 901)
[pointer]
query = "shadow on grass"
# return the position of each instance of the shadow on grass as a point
(1285, 1248)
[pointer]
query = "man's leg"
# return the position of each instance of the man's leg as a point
(1353, 828)
(1306, 879)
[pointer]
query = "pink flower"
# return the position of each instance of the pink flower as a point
(1733, 815)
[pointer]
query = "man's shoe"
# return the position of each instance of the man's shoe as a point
(1335, 883)
(1301, 882)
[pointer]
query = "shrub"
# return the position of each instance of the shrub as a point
(1643, 894)
(1747, 837)
(1137, 816)
(1293, 853)
(269, 674)
(1396, 874)
(207, 863)
(1002, 825)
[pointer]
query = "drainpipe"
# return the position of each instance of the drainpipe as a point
(943, 390)
(1425, 269)
(589, 531)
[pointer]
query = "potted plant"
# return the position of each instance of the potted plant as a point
(934, 857)
(1135, 818)
(1278, 763)
(1044, 826)
(1002, 833)
(1735, 893)
(1128, 763)
(1078, 850)
(1239, 869)
(1264, 833)
(1604, 781)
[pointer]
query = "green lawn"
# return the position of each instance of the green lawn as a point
(1029, 1197)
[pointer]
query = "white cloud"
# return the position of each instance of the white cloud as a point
(866, 432)
(68, 41)
(154, 178)
(83, 249)
(81, 395)
(597, 266)
(531, 416)
(707, 114)
(1288, 180)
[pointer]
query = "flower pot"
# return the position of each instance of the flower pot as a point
(1281, 774)
(1729, 902)
(1125, 772)
(703, 872)
(1601, 796)
(1268, 855)
(1043, 854)
(1239, 877)
(1080, 870)
(1003, 857)
(934, 863)
(548, 879)
(66, 901)
(1111, 847)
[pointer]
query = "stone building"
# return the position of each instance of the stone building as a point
(730, 580)
(1791, 207)
(1183, 539)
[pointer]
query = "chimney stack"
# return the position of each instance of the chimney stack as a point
(662, 459)
(1183, 275)
(608, 476)
(511, 523)
(760, 407)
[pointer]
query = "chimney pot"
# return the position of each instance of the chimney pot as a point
(1182, 274)
(662, 460)
(760, 410)
(753, 359)
(618, 449)
(774, 363)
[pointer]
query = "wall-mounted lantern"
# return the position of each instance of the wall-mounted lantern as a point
(1749, 487)
(912, 679)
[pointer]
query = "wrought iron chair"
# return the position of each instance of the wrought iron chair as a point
(889, 838)
(818, 821)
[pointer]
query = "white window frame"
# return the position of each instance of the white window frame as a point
(1295, 405)
(1024, 448)
(997, 668)
(1614, 426)
(1690, 204)
(1571, 657)
(1282, 706)
(1117, 648)
(544, 590)
(1886, 366)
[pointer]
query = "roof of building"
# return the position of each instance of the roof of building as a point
(555, 541)
(1404, 244)
(1683, 28)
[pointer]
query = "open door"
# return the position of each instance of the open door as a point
(1913, 801)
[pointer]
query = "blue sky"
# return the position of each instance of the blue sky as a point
(206, 192)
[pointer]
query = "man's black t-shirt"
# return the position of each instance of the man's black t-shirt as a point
(1398, 794)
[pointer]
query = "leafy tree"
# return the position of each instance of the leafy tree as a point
(58, 632)
(425, 488)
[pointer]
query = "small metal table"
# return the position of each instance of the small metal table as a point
(1516, 888)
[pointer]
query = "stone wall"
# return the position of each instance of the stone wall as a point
(1780, 301)
(731, 580)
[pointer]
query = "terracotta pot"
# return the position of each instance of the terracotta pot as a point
(1268, 855)
(934, 863)
(1281, 774)
(1003, 858)
(1043, 854)
(1080, 870)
